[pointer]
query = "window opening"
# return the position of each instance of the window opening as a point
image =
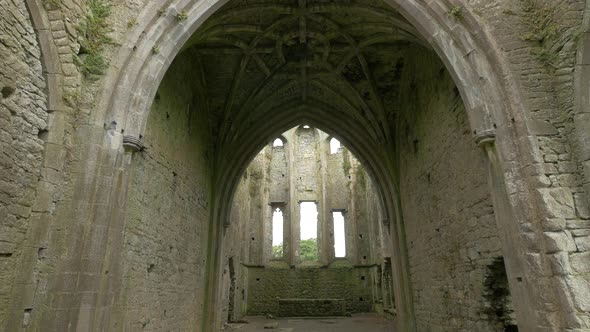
(308, 245)
(277, 233)
(277, 142)
(339, 234)
(334, 145)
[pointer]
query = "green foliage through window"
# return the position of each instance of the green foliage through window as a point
(277, 251)
(308, 250)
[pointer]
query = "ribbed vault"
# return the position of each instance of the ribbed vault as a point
(340, 58)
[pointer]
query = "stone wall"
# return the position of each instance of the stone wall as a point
(167, 218)
(543, 64)
(341, 281)
(23, 125)
(337, 182)
(447, 209)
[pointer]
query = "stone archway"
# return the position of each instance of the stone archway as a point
(490, 106)
(494, 112)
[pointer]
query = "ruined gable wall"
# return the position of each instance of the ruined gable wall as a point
(330, 178)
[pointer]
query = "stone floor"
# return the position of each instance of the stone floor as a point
(356, 323)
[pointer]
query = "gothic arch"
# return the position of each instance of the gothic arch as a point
(493, 106)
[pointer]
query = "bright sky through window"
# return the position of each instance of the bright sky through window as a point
(277, 142)
(334, 145)
(339, 235)
(309, 220)
(277, 227)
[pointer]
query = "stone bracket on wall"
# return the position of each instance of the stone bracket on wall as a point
(133, 143)
(486, 137)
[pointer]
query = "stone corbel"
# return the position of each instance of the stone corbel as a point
(485, 138)
(133, 144)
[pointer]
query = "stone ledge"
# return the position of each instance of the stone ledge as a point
(311, 307)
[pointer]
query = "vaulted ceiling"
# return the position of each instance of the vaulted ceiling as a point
(343, 58)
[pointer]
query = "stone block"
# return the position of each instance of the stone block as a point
(580, 232)
(582, 209)
(580, 262)
(44, 200)
(557, 202)
(530, 242)
(535, 264)
(554, 224)
(559, 242)
(567, 180)
(583, 243)
(567, 167)
(54, 96)
(582, 122)
(550, 158)
(560, 264)
(55, 156)
(57, 127)
(579, 288)
(585, 48)
(542, 128)
(578, 224)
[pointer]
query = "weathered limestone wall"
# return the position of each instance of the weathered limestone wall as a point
(23, 121)
(340, 281)
(307, 166)
(258, 223)
(279, 174)
(542, 59)
(447, 209)
(236, 240)
(167, 219)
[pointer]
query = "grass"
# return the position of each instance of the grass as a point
(456, 12)
(94, 38)
(52, 4)
(542, 28)
(182, 16)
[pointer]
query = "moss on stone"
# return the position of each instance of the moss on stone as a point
(543, 28)
(456, 12)
(345, 162)
(52, 4)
